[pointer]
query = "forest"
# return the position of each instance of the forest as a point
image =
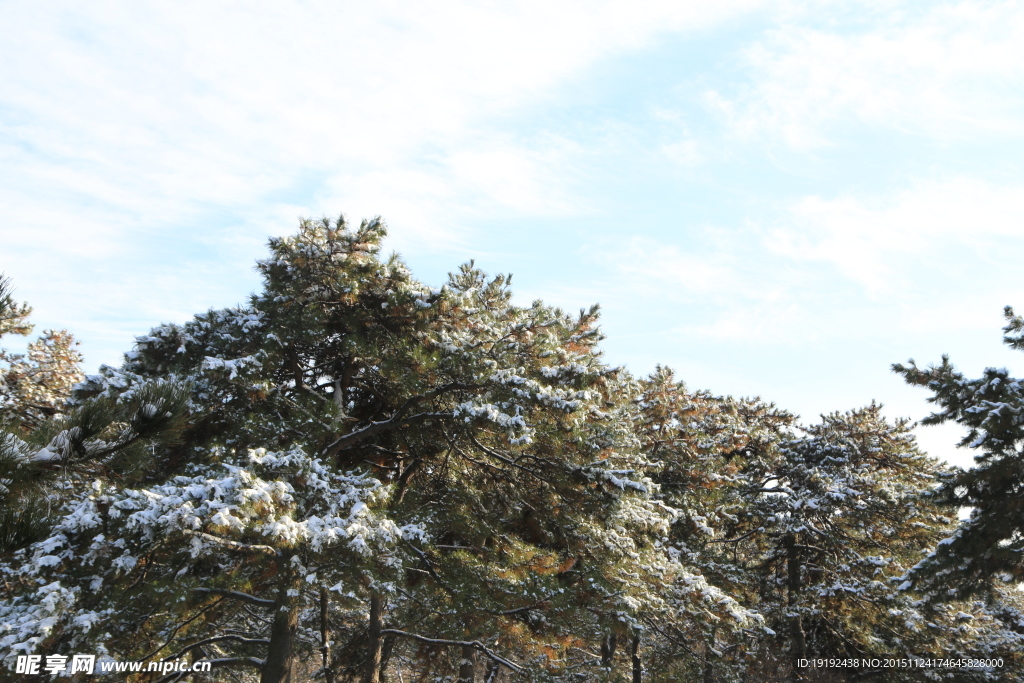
(357, 478)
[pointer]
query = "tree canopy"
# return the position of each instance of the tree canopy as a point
(359, 477)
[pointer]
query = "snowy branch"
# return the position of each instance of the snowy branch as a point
(399, 419)
(475, 644)
(234, 545)
(238, 595)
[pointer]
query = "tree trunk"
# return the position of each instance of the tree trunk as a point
(798, 644)
(385, 656)
(325, 637)
(372, 672)
(280, 663)
(493, 669)
(403, 480)
(709, 666)
(467, 667)
(638, 669)
(608, 650)
(195, 656)
(709, 671)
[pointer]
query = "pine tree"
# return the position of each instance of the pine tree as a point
(810, 527)
(708, 448)
(492, 434)
(988, 548)
(34, 386)
(355, 476)
(47, 443)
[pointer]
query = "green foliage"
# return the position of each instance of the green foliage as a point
(988, 547)
(49, 444)
(356, 476)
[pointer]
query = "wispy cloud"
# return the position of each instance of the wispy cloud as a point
(883, 243)
(941, 70)
(935, 256)
(135, 134)
(130, 104)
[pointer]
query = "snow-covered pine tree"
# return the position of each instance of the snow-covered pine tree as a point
(34, 385)
(507, 488)
(842, 515)
(13, 316)
(832, 525)
(988, 548)
(808, 529)
(705, 448)
(119, 560)
(47, 445)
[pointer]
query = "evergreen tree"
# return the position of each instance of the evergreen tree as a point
(988, 548)
(702, 444)
(493, 437)
(355, 476)
(35, 385)
(47, 444)
(810, 529)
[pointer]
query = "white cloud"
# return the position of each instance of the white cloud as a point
(684, 152)
(883, 242)
(711, 283)
(950, 71)
(142, 135)
(685, 149)
(171, 105)
(652, 265)
(935, 257)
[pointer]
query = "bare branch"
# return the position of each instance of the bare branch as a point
(734, 540)
(398, 419)
(518, 610)
(507, 461)
(238, 595)
(475, 644)
(182, 625)
(215, 639)
(394, 422)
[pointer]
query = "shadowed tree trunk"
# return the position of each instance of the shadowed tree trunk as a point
(638, 669)
(386, 649)
(608, 649)
(403, 480)
(376, 642)
(195, 656)
(280, 663)
(709, 672)
(709, 665)
(798, 646)
(325, 637)
(493, 669)
(467, 666)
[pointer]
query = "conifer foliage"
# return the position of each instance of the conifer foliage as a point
(988, 549)
(48, 444)
(359, 477)
(34, 385)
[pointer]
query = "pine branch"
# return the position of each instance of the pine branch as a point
(398, 419)
(217, 664)
(238, 595)
(234, 545)
(475, 644)
(210, 641)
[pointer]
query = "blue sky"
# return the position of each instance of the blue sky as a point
(774, 198)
